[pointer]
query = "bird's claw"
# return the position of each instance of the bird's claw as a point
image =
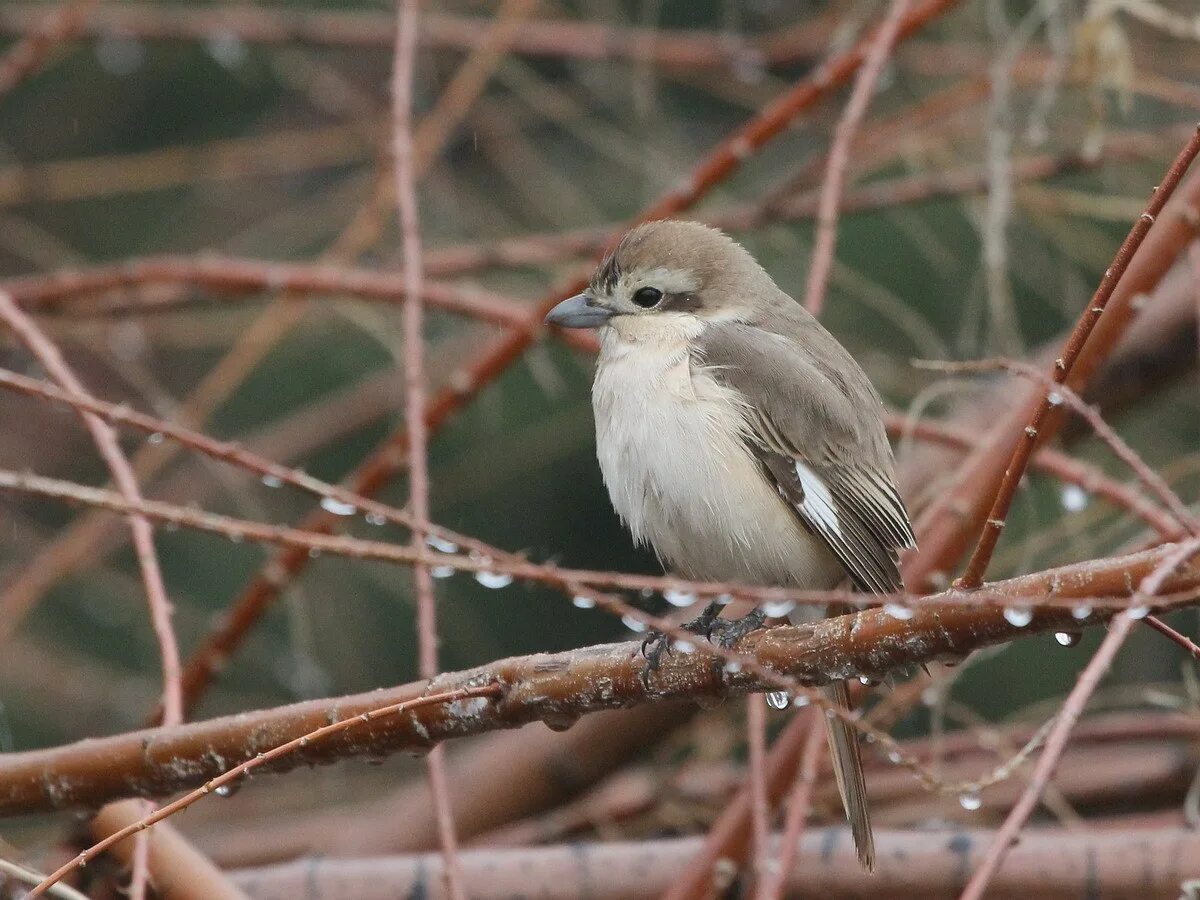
(722, 632)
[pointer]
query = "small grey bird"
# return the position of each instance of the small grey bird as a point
(737, 437)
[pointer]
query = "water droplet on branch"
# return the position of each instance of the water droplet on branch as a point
(898, 611)
(778, 700)
(1018, 616)
(440, 544)
(633, 624)
(777, 609)
(337, 507)
(679, 598)
(494, 580)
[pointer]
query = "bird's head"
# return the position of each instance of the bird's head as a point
(663, 271)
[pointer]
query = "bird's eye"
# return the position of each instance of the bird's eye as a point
(647, 297)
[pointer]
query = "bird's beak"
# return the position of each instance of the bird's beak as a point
(579, 311)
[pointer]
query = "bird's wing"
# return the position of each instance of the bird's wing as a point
(812, 423)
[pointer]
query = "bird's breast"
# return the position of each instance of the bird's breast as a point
(669, 439)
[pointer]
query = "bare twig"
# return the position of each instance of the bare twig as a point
(1058, 394)
(414, 409)
(485, 692)
(798, 806)
(105, 438)
(487, 559)
(68, 290)
(107, 444)
(839, 154)
(1072, 708)
(1065, 363)
(32, 51)
(1171, 634)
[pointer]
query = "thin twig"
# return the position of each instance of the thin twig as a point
(1069, 714)
(109, 448)
(404, 63)
(972, 577)
(20, 873)
(798, 805)
(1171, 634)
(494, 561)
(105, 438)
(1053, 462)
(239, 771)
(760, 811)
(1058, 394)
(839, 154)
(1067, 469)
(32, 51)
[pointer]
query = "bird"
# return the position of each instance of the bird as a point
(739, 439)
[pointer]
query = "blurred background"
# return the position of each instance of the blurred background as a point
(1008, 149)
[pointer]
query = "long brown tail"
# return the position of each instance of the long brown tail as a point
(848, 769)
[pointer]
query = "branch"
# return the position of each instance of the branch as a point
(918, 863)
(413, 318)
(1150, 585)
(839, 155)
(675, 48)
(178, 870)
(1064, 365)
(559, 688)
(33, 50)
(946, 527)
(61, 291)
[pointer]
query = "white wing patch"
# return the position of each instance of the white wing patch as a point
(818, 503)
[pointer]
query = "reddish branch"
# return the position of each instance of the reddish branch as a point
(105, 439)
(945, 527)
(1064, 365)
(32, 51)
(690, 48)
(404, 173)
(240, 771)
(559, 688)
(1150, 585)
(64, 290)
(839, 155)
(1053, 462)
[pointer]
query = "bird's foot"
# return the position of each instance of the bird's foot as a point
(655, 643)
(725, 633)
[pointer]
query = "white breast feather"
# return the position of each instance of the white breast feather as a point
(669, 443)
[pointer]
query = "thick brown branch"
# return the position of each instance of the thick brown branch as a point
(556, 689)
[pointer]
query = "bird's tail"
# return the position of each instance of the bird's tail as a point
(848, 769)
